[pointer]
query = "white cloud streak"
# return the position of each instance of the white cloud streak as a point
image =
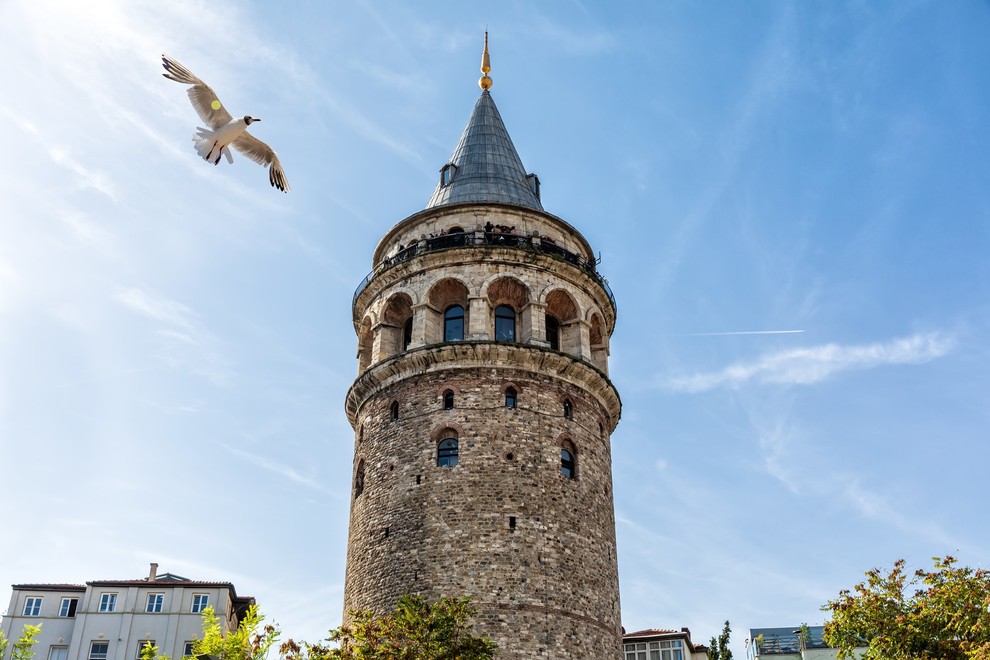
(804, 366)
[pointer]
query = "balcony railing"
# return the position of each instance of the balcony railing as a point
(490, 239)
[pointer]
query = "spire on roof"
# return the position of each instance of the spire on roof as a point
(486, 65)
(485, 166)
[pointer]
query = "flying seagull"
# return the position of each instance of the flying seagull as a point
(224, 131)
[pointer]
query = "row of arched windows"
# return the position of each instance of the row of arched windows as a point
(511, 399)
(448, 454)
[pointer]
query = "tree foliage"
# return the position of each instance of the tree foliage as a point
(942, 613)
(24, 646)
(249, 641)
(416, 630)
(718, 648)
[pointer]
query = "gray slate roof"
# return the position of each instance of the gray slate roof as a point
(488, 168)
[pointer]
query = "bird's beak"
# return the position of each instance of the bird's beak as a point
(254, 119)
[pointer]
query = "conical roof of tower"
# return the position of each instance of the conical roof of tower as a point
(486, 166)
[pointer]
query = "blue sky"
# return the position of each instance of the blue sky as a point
(176, 343)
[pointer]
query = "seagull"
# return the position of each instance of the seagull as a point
(224, 131)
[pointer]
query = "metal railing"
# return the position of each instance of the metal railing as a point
(487, 239)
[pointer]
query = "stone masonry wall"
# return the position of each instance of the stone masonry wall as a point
(534, 550)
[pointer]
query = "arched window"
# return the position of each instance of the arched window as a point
(568, 460)
(359, 479)
(407, 334)
(448, 400)
(447, 452)
(553, 332)
(568, 409)
(453, 323)
(510, 398)
(505, 323)
(394, 409)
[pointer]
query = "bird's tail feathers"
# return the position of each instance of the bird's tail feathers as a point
(205, 142)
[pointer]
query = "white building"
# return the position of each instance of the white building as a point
(661, 644)
(112, 619)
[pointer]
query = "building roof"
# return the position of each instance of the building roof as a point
(48, 587)
(488, 168)
(654, 633)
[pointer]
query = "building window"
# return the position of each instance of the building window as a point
(140, 647)
(155, 602)
(510, 398)
(447, 174)
(407, 334)
(98, 650)
(68, 607)
(505, 323)
(447, 453)
(568, 409)
(108, 602)
(453, 323)
(200, 602)
(32, 606)
(669, 650)
(58, 653)
(394, 410)
(534, 184)
(553, 332)
(448, 400)
(568, 460)
(187, 649)
(359, 479)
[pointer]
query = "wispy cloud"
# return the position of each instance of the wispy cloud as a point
(804, 366)
(160, 309)
(278, 468)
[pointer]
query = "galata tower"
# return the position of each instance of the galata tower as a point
(482, 411)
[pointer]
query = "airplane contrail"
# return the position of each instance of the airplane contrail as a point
(744, 332)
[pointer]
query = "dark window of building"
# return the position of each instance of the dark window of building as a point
(568, 460)
(447, 453)
(68, 607)
(510, 398)
(98, 650)
(553, 332)
(448, 400)
(447, 174)
(568, 409)
(534, 184)
(359, 479)
(505, 323)
(453, 323)
(395, 410)
(407, 334)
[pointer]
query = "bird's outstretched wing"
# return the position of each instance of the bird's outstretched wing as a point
(203, 98)
(262, 154)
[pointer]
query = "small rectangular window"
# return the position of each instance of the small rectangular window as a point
(200, 602)
(155, 602)
(58, 653)
(68, 607)
(98, 650)
(140, 647)
(32, 606)
(187, 650)
(108, 602)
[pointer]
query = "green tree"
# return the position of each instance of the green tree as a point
(416, 630)
(249, 641)
(718, 648)
(942, 613)
(24, 646)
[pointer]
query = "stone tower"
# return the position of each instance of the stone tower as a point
(483, 411)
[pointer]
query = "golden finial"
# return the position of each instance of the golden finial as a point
(486, 65)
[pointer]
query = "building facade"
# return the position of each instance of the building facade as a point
(112, 619)
(662, 644)
(482, 411)
(798, 642)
